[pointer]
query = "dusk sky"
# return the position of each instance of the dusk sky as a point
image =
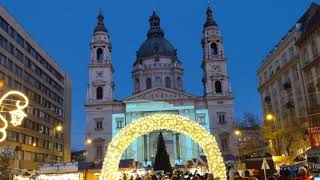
(250, 29)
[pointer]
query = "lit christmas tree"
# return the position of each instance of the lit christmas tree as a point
(162, 161)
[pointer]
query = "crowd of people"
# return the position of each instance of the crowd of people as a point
(283, 174)
(177, 175)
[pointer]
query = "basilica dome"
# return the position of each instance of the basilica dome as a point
(156, 44)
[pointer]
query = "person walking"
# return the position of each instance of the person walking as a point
(303, 174)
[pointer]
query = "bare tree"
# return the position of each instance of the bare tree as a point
(249, 120)
(251, 140)
(6, 160)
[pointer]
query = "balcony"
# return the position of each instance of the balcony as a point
(287, 86)
(290, 104)
(311, 88)
(267, 99)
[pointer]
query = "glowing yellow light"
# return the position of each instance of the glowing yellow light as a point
(34, 144)
(59, 128)
(269, 117)
(237, 132)
(162, 122)
(1, 83)
(17, 115)
(89, 141)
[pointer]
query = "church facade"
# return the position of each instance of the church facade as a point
(157, 76)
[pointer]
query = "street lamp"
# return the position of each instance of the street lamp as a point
(1, 83)
(59, 128)
(271, 117)
(88, 141)
(237, 132)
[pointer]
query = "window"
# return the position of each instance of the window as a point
(168, 82)
(99, 125)
(284, 58)
(99, 93)
(305, 55)
(28, 156)
(224, 141)
(99, 152)
(214, 49)
(119, 124)
(291, 51)
(201, 119)
(59, 147)
(314, 48)
(28, 140)
(137, 85)
(158, 81)
(148, 83)
(59, 159)
(179, 82)
(12, 136)
(4, 25)
(218, 87)
(221, 117)
(100, 55)
(19, 55)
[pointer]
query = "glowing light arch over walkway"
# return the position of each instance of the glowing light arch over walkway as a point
(155, 122)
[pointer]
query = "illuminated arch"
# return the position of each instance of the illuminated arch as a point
(162, 122)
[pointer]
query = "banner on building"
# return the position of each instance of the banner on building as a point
(314, 136)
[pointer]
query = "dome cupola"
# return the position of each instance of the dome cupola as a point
(156, 64)
(156, 44)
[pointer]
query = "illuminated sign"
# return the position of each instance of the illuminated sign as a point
(58, 168)
(17, 115)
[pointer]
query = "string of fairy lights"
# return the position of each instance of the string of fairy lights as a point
(158, 122)
(17, 113)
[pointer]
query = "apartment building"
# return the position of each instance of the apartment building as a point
(309, 47)
(285, 78)
(44, 136)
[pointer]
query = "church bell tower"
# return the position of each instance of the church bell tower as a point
(214, 64)
(101, 85)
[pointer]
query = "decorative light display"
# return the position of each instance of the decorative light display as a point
(162, 122)
(17, 115)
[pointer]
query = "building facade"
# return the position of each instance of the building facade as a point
(308, 45)
(283, 81)
(26, 67)
(157, 76)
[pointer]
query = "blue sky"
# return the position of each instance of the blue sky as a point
(250, 30)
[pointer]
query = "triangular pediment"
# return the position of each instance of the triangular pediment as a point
(159, 94)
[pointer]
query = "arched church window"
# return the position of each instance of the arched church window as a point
(148, 83)
(158, 81)
(214, 49)
(99, 93)
(137, 85)
(168, 82)
(100, 55)
(179, 82)
(218, 87)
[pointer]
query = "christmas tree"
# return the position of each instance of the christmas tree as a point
(162, 161)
